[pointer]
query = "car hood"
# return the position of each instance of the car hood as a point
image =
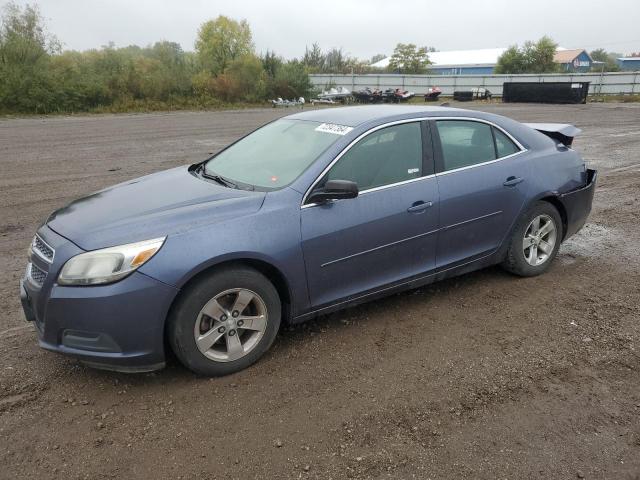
(164, 203)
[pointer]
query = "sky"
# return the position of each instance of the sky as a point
(361, 28)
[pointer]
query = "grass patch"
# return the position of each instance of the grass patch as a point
(628, 98)
(148, 106)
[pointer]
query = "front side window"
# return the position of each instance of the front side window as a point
(274, 155)
(465, 143)
(386, 156)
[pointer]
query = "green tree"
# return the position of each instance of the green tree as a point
(540, 55)
(291, 81)
(607, 58)
(313, 58)
(271, 63)
(335, 61)
(221, 41)
(532, 57)
(246, 80)
(25, 50)
(407, 58)
(511, 61)
(36, 77)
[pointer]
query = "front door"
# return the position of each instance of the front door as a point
(384, 235)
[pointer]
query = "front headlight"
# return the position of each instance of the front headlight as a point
(109, 264)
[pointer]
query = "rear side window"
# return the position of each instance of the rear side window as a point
(465, 143)
(504, 145)
(389, 155)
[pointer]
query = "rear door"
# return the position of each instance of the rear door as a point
(388, 232)
(483, 178)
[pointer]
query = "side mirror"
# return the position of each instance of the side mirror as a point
(334, 190)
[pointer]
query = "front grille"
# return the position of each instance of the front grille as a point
(42, 249)
(37, 275)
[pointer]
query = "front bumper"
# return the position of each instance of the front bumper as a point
(116, 327)
(577, 203)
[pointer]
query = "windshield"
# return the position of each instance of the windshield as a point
(274, 155)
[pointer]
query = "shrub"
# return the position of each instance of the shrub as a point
(291, 81)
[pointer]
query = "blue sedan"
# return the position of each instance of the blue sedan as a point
(309, 214)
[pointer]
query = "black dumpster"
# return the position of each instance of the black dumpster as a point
(463, 95)
(545, 92)
(478, 93)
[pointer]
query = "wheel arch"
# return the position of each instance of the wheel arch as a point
(549, 197)
(554, 200)
(268, 269)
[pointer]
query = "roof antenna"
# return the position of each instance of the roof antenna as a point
(444, 104)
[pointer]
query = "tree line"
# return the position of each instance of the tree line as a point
(37, 76)
(537, 57)
(530, 57)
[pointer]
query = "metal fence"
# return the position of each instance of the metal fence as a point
(622, 83)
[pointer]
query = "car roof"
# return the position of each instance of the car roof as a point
(358, 115)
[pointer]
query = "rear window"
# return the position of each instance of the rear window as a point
(465, 143)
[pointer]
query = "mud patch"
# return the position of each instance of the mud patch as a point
(593, 241)
(19, 395)
(9, 228)
(13, 400)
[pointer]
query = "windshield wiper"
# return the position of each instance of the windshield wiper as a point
(217, 178)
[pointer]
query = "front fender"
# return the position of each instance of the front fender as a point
(270, 236)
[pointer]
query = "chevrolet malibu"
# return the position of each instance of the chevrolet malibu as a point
(309, 214)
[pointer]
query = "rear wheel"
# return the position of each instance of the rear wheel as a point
(225, 321)
(535, 241)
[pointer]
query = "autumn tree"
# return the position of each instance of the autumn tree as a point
(222, 41)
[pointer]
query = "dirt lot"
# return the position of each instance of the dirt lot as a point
(483, 376)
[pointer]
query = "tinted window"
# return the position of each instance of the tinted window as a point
(274, 155)
(504, 145)
(389, 155)
(465, 143)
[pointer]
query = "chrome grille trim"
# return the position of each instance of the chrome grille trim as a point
(36, 274)
(42, 249)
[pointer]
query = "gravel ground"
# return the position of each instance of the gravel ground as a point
(481, 376)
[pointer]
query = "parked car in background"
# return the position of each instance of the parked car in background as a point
(309, 214)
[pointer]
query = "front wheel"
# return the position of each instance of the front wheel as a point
(225, 321)
(535, 241)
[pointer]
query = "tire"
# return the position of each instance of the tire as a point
(205, 312)
(527, 262)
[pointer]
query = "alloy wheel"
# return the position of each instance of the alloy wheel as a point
(230, 325)
(539, 240)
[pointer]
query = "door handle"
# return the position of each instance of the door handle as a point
(513, 181)
(420, 206)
